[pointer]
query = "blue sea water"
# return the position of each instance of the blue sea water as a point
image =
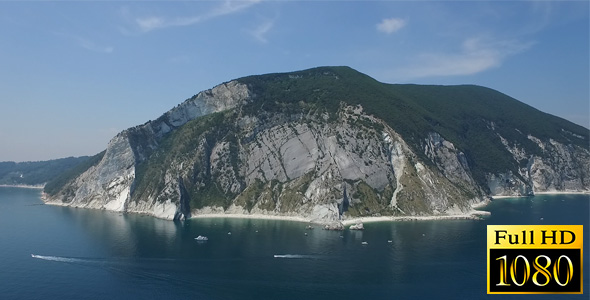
(91, 254)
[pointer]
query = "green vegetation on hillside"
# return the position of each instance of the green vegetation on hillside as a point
(36, 173)
(191, 144)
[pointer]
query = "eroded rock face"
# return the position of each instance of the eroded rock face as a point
(561, 168)
(106, 185)
(222, 97)
(557, 167)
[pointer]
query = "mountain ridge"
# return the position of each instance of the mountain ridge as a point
(293, 143)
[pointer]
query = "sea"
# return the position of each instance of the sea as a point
(53, 252)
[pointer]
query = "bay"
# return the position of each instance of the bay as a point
(92, 254)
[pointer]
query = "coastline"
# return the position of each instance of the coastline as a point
(506, 197)
(474, 214)
(252, 216)
(23, 186)
(545, 193)
(562, 193)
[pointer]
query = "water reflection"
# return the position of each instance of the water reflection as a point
(125, 235)
(420, 252)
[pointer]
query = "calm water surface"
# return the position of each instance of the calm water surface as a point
(90, 254)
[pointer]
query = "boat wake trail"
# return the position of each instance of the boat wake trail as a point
(60, 259)
(154, 269)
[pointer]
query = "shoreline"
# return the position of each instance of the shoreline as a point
(23, 186)
(252, 216)
(562, 193)
(472, 215)
(507, 197)
(544, 193)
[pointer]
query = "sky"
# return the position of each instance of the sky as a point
(75, 73)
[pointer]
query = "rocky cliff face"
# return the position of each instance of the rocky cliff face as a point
(109, 184)
(554, 167)
(223, 151)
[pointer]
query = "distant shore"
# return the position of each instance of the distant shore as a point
(23, 186)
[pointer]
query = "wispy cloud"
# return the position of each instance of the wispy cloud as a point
(476, 55)
(87, 43)
(391, 25)
(146, 24)
(230, 7)
(149, 23)
(259, 33)
(90, 45)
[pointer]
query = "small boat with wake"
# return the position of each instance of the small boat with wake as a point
(201, 238)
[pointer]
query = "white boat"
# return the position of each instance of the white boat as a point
(201, 238)
(364, 243)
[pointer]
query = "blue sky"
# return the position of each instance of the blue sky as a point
(75, 73)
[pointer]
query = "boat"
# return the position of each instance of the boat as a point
(202, 238)
(364, 243)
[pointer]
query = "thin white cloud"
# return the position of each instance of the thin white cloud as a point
(150, 23)
(259, 33)
(476, 55)
(230, 7)
(89, 45)
(86, 43)
(391, 25)
(147, 24)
